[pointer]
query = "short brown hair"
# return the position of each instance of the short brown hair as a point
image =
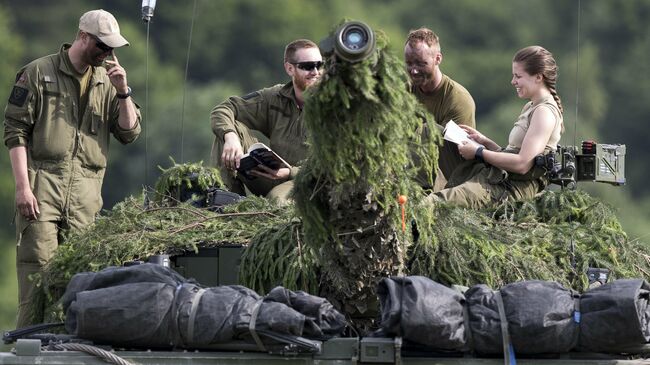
(425, 35)
(291, 48)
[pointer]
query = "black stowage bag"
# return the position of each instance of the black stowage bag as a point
(615, 316)
(114, 276)
(422, 311)
(325, 320)
(129, 315)
(540, 317)
(152, 306)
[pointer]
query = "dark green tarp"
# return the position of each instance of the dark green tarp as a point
(151, 306)
(542, 317)
(422, 311)
(615, 316)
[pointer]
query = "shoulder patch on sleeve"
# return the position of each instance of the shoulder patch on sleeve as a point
(250, 95)
(18, 96)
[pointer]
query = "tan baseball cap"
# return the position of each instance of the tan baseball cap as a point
(103, 25)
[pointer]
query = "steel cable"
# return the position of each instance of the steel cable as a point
(92, 350)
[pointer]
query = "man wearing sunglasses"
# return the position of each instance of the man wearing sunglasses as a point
(58, 120)
(275, 112)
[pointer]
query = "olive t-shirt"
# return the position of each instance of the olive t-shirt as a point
(450, 101)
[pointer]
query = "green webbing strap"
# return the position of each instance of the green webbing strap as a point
(577, 316)
(534, 173)
(193, 310)
(469, 343)
(398, 350)
(251, 325)
(508, 351)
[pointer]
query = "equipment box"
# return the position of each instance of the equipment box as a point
(212, 266)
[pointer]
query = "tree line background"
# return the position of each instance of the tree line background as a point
(236, 47)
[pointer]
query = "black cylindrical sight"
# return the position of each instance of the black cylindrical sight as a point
(353, 41)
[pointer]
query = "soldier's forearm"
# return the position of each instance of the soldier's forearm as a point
(231, 137)
(18, 157)
(128, 117)
(222, 119)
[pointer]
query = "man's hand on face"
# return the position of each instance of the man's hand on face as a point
(232, 151)
(116, 74)
(268, 173)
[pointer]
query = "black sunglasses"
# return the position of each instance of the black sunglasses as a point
(101, 45)
(308, 66)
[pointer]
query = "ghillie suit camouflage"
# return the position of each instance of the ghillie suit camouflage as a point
(365, 132)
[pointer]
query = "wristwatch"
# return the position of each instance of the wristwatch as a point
(124, 96)
(479, 154)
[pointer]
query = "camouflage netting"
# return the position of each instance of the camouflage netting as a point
(539, 239)
(137, 228)
(363, 125)
(130, 232)
(530, 240)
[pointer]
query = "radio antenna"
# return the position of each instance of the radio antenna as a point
(148, 7)
(575, 126)
(187, 66)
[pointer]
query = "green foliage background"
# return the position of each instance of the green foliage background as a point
(237, 47)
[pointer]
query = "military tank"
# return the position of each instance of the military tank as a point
(352, 50)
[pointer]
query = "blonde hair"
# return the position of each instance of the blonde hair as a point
(425, 35)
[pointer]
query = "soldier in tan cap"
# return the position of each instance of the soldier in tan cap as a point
(58, 120)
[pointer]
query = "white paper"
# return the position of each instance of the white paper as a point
(453, 133)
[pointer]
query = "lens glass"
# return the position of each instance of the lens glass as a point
(355, 38)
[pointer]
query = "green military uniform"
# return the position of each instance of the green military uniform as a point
(450, 101)
(67, 139)
(272, 111)
(476, 184)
